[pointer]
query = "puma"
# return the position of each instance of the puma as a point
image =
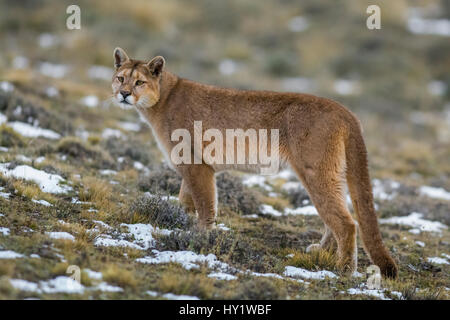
(319, 138)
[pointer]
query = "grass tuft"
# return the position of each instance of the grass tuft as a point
(315, 260)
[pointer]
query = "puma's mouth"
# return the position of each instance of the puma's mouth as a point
(125, 102)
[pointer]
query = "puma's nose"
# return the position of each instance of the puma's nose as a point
(125, 94)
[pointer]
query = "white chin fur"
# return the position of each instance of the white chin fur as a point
(125, 106)
(129, 99)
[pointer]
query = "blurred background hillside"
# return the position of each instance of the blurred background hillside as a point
(396, 79)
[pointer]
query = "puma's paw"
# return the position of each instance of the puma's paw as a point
(313, 247)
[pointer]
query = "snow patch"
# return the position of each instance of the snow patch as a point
(53, 70)
(108, 242)
(90, 101)
(61, 284)
(418, 224)
(93, 274)
(188, 259)
(436, 193)
(47, 182)
(306, 211)
(418, 25)
(30, 131)
(345, 87)
(42, 202)
(222, 276)
(6, 86)
(298, 24)
(437, 260)
(9, 254)
(142, 234)
(20, 62)
(291, 186)
(105, 287)
(295, 272)
(256, 180)
(370, 292)
(112, 133)
(269, 210)
(130, 126)
(107, 172)
(227, 67)
(4, 231)
(420, 244)
(24, 285)
(61, 236)
(221, 226)
(171, 296)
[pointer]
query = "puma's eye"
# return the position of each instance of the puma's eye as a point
(120, 79)
(139, 82)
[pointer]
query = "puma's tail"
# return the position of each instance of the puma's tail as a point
(360, 189)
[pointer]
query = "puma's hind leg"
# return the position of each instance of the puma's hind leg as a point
(324, 182)
(332, 210)
(328, 242)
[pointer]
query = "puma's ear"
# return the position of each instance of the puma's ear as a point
(156, 65)
(120, 57)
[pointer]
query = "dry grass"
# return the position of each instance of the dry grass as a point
(31, 191)
(98, 192)
(186, 284)
(119, 276)
(315, 260)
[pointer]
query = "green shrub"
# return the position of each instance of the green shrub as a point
(79, 150)
(130, 148)
(234, 195)
(160, 212)
(161, 179)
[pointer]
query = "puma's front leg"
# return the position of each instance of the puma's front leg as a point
(199, 182)
(185, 198)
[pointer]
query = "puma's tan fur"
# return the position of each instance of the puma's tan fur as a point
(318, 137)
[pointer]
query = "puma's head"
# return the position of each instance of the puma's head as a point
(135, 82)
